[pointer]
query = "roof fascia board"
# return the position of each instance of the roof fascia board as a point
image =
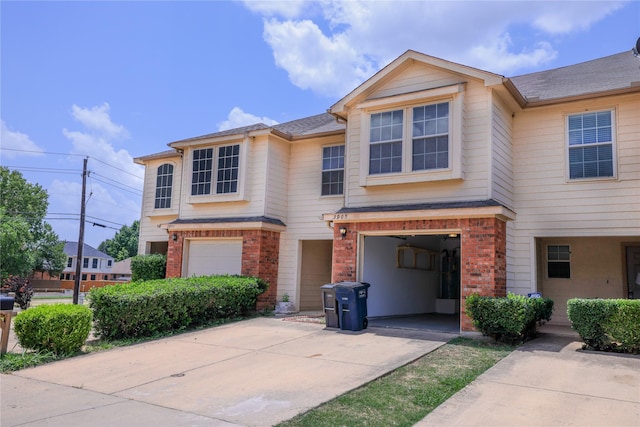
(254, 225)
(412, 56)
(499, 212)
(412, 96)
(593, 95)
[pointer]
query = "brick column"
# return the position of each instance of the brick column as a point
(174, 255)
(260, 257)
(483, 262)
(345, 254)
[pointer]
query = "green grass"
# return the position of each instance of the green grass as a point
(407, 394)
(10, 362)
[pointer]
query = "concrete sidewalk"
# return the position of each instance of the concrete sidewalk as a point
(251, 373)
(549, 382)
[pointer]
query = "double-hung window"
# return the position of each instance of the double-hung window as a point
(69, 262)
(94, 263)
(430, 137)
(85, 263)
(385, 138)
(590, 138)
(223, 179)
(558, 261)
(333, 170)
(426, 130)
(164, 182)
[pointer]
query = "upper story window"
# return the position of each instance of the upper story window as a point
(385, 138)
(228, 163)
(85, 263)
(558, 261)
(164, 182)
(332, 170)
(227, 159)
(69, 262)
(94, 263)
(429, 139)
(590, 140)
(109, 262)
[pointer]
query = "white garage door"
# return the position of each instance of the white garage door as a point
(208, 257)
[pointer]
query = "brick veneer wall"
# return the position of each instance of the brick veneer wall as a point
(482, 253)
(260, 256)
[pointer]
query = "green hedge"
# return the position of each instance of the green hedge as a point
(59, 328)
(148, 267)
(510, 319)
(606, 324)
(140, 309)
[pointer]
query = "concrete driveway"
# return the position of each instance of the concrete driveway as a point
(252, 373)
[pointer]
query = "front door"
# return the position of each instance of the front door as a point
(633, 271)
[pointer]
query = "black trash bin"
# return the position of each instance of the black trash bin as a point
(330, 306)
(352, 305)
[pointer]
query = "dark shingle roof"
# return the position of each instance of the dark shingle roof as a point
(611, 73)
(71, 249)
(423, 206)
(228, 219)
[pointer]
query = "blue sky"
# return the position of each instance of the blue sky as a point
(117, 80)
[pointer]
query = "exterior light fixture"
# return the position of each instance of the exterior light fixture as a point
(343, 231)
(453, 235)
(174, 237)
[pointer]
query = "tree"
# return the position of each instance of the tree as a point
(27, 242)
(124, 244)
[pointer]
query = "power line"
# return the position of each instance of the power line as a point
(119, 183)
(44, 170)
(137, 192)
(77, 155)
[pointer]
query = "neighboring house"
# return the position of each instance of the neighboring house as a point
(431, 181)
(96, 265)
(121, 270)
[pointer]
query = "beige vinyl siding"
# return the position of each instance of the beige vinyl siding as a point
(151, 219)
(548, 205)
(277, 176)
(151, 231)
(501, 153)
(305, 208)
(150, 175)
(252, 170)
(475, 136)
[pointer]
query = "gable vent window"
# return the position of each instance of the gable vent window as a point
(590, 137)
(164, 182)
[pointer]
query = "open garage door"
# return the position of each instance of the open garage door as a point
(220, 256)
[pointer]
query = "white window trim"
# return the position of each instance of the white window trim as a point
(344, 170)
(614, 147)
(453, 94)
(214, 197)
(547, 261)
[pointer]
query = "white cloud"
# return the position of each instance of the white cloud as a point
(114, 184)
(97, 119)
(287, 8)
(330, 47)
(238, 118)
(14, 140)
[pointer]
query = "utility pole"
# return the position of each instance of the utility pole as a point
(76, 285)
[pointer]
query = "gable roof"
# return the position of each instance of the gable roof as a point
(609, 75)
(71, 249)
(411, 56)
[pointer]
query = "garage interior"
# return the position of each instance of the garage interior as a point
(415, 281)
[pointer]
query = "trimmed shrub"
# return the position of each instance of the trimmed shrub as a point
(606, 324)
(512, 319)
(140, 309)
(59, 328)
(148, 267)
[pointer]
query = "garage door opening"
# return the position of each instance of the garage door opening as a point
(415, 281)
